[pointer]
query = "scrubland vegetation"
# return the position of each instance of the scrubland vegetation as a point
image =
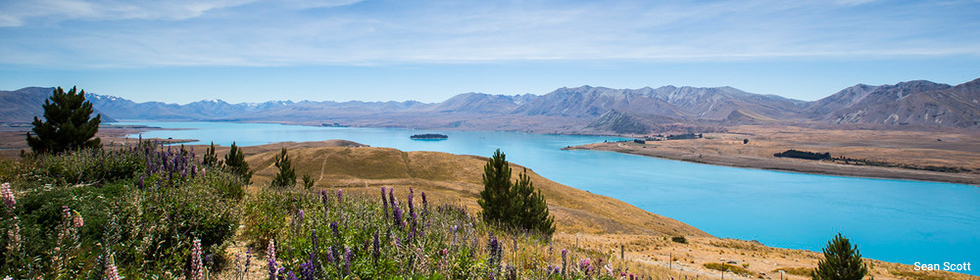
(152, 211)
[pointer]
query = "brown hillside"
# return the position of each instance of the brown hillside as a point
(448, 178)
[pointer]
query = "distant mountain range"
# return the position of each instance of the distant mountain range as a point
(569, 110)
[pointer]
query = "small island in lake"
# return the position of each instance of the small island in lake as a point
(429, 136)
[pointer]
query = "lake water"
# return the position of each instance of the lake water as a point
(890, 220)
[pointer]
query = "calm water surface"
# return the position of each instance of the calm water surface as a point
(891, 220)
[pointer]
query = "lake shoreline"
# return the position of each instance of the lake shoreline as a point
(784, 164)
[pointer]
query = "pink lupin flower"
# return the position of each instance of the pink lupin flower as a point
(197, 266)
(78, 220)
(8, 197)
(111, 273)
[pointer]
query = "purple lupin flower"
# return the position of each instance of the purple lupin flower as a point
(411, 203)
(384, 201)
(330, 254)
(397, 216)
(391, 197)
(425, 204)
(336, 230)
(315, 249)
(347, 258)
(377, 245)
(340, 195)
(271, 255)
(248, 259)
(291, 276)
(564, 261)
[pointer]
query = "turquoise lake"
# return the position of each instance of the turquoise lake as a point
(890, 220)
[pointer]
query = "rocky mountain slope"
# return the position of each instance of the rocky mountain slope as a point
(583, 109)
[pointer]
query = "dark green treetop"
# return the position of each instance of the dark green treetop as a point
(516, 204)
(235, 163)
(286, 177)
(67, 125)
(841, 261)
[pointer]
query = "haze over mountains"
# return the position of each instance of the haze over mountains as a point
(569, 110)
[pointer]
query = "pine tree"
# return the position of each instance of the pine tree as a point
(530, 208)
(495, 197)
(286, 176)
(841, 261)
(67, 126)
(235, 163)
(516, 204)
(210, 158)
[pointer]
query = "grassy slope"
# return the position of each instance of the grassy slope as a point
(454, 178)
(585, 220)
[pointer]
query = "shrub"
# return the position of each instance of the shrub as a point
(724, 267)
(679, 239)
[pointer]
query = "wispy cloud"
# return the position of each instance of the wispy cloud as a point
(346, 32)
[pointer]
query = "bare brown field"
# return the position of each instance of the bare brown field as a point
(923, 149)
(585, 221)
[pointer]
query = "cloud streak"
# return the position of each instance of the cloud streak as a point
(79, 33)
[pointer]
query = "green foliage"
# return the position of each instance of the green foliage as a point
(679, 239)
(286, 177)
(443, 242)
(724, 267)
(841, 261)
(67, 125)
(141, 205)
(210, 158)
(519, 204)
(235, 163)
(495, 197)
(800, 271)
(308, 182)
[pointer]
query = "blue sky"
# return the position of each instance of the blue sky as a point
(253, 50)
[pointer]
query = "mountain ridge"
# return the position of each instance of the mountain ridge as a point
(583, 109)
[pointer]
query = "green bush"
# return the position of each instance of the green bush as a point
(724, 267)
(142, 205)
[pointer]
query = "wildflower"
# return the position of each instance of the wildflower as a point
(248, 259)
(340, 195)
(384, 201)
(315, 249)
(111, 273)
(307, 270)
(330, 253)
(197, 267)
(291, 276)
(391, 197)
(336, 230)
(425, 204)
(8, 197)
(78, 220)
(398, 216)
(347, 258)
(586, 265)
(271, 255)
(13, 235)
(299, 216)
(377, 245)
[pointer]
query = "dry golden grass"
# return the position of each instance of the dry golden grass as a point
(458, 179)
(586, 222)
